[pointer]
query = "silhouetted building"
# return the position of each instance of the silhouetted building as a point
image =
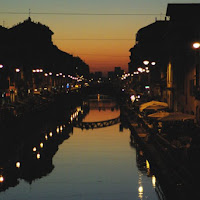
(118, 71)
(150, 46)
(28, 46)
(176, 70)
(183, 85)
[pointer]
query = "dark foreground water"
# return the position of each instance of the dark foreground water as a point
(90, 165)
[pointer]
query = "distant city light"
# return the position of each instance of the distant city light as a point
(41, 145)
(34, 149)
(1, 66)
(18, 164)
(132, 98)
(147, 87)
(46, 137)
(140, 69)
(153, 63)
(38, 156)
(1, 179)
(17, 70)
(57, 130)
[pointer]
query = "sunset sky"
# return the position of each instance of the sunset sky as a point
(102, 41)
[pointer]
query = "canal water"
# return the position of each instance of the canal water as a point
(88, 164)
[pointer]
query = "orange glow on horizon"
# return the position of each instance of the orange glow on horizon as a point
(99, 55)
(102, 42)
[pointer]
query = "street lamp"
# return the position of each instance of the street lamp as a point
(145, 62)
(1, 66)
(196, 45)
(140, 69)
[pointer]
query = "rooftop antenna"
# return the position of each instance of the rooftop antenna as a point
(29, 13)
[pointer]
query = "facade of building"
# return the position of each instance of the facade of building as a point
(183, 68)
(170, 44)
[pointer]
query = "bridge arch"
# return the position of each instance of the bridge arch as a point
(98, 124)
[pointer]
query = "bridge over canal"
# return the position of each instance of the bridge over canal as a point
(98, 124)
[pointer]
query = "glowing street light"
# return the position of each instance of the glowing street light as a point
(18, 164)
(17, 70)
(1, 66)
(38, 156)
(34, 149)
(41, 144)
(1, 179)
(145, 62)
(196, 45)
(140, 69)
(50, 134)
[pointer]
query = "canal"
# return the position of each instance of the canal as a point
(83, 163)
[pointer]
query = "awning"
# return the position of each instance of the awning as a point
(171, 116)
(158, 114)
(153, 105)
(177, 116)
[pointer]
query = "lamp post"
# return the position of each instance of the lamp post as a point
(151, 76)
(196, 46)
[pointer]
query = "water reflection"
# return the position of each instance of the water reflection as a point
(32, 159)
(98, 164)
(144, 167)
